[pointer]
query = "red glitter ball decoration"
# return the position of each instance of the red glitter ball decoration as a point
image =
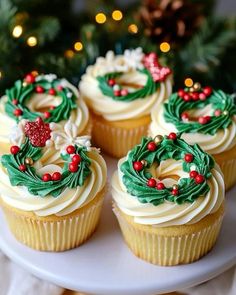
(73, 167)
(46, 177)
(158, 72)
(70, 149)
(151, 182)
(14, 149)
(138, 166)
(193, 174)
(38, 132)
(29, 78)
(188, 158)
(172, 136)
(199, 179)
(52, 91)
(56, 176)
(22, 168)
(160, 186)
(76, 159)
(17, 112)
(151, 146)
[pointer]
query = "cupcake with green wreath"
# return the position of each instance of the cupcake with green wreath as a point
(120, 91)
(205, 116)
(169, 200)
(52, 186)
(55, 100)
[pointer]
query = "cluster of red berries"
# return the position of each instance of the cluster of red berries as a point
(116, 88)
(197, 177)
(196, 95)
(54, 177)
(75, 160)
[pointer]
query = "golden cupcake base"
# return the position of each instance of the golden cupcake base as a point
(55, 233)
(118, 137)
(168, 246)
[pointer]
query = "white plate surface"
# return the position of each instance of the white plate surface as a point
(105, 266)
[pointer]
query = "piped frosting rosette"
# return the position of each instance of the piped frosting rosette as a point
(126, 86)
(50, 170)
(167, 182)
(46, 96)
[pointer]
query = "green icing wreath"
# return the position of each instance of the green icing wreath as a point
(22, 91)
(140, 183)
(223, 109)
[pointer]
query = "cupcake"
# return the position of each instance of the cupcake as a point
(46, 96)
(204, 116)
(121, 91)
(52, 187)
(169, 200)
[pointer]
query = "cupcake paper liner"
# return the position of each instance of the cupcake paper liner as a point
(54, 233)
(228, 168)
(171, 245)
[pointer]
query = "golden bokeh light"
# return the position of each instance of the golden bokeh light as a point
(78, 46)
(165, 47)
(17, 31)
(188, 82)
(32, 41)
(117, 15)
(133, 29)
(100, 18)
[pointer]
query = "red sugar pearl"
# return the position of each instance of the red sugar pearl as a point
(151, 182)
(70, 149)
(76, 159)
(181, 93)
(160, 186)
(188, 158)
(39, 89)
(195, 96)
(124, 92)
(138, 166)
(185, 116)
(187, 97)
(29, 78)
(47, 115)
(73, 167)
(202, 120)
(217, 113)
(14, 149)
(151, 146)
(172, 136)
(199, 179)
(208, 118)
(175, 192)
(17, 112)
(59, 87)
(46, 177)
(207, 90)
(117, 92)
(202, 96)
(52, 91)
(22, 167)
(111, 82)
(52, 108)
(56, 176)
(15, 101)
(193, 174)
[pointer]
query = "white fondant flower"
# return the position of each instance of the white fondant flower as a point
(48, 77)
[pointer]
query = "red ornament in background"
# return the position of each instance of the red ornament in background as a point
(38, 132)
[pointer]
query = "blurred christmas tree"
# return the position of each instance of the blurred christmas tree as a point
(52, 36)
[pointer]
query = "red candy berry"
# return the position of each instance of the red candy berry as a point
(202, 120)
(185, 116)
(18, 112)
(207, 90)
(124, 92)
(188, 158)
(15, 101)
(160, 186)
(195, 96)
(14, 149)
(202, 96)
(52, 91)
(111, 82)
(76, 159)
(70, 149)
(175, 192)
(73, 167)
(59, 88)
(47, 115)
(181, 93)
(151, 146)
(199, 179)
(193, 174)
(39, 89)
(47, 177)
(22, 167)
(217, 113)
(52, 108)
(172, 136)
(208, 118)
(117, 92)
(56, 176)
(30, 78)
(138, 166)
(151, 182)
(187, 97)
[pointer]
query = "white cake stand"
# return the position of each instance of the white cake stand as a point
(104, 265)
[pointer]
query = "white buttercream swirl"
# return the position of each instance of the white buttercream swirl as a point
(113, 110)
(169, 213)
(79, 117)
(222, 140)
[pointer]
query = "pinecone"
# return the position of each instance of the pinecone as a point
(173, 21)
